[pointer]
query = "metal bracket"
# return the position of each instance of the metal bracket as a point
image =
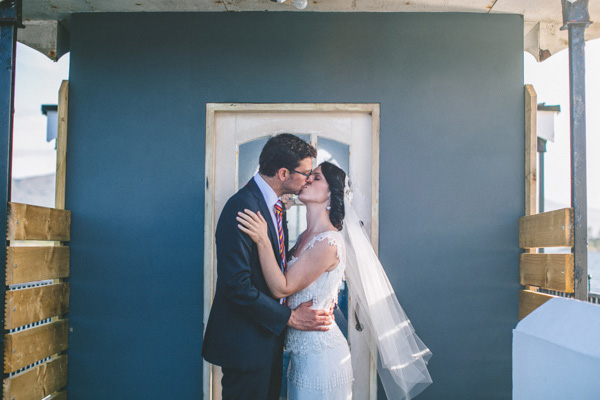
(575, 12)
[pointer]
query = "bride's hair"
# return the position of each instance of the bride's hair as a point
(336, 179)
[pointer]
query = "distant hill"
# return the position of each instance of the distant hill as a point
(36, 190)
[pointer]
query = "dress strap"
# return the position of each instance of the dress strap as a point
(333, 239)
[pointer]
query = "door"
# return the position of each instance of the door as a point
(345, 134)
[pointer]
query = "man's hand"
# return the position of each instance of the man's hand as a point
(305, 318)
(331, 308)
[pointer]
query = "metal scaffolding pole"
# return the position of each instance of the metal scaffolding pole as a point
(576, 20)
(541, 148)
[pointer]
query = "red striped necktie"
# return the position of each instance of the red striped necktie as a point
(279, 214)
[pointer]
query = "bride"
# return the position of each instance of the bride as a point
(332, 247)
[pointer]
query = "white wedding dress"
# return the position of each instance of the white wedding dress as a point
(320, 366)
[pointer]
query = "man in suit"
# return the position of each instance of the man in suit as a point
(247, 324)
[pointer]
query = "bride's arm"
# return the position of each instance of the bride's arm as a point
(307, 268)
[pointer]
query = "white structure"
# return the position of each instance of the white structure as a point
(556, 352)
(546, 117)
(51, 112)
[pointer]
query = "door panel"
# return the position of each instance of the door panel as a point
(344, 134)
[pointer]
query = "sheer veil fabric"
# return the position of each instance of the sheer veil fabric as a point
(402, 356)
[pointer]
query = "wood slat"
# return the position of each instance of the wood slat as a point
(28, 264)
(530, 149)
(27, 222)
(529, 301)
(30, 345)
(61, 145)
(37, 382)
(549, 229)
(530, 153)
(288, 107)
(548, 271)
(25, 306)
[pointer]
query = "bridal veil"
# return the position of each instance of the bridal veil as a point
(400, 355)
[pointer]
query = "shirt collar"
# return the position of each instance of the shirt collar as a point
(266, 190)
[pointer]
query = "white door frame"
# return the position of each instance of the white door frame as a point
(209, 196)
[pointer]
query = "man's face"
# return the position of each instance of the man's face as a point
(296, 180)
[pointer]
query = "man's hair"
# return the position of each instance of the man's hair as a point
(284, 151)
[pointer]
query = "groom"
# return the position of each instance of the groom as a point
(246, 325)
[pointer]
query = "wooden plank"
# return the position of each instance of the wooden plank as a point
(289, 107)
(375, 133)
(37, 382)
(28, 264)
(549, 229)
(61, 145)
(30, 345)
(530, 153)
(208, 370)
(548, 271)
(25, 306)
(529, 301)
(27, 222)
(530, 149)
(375, 128)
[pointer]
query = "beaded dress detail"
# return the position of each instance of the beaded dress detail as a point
(320, 366)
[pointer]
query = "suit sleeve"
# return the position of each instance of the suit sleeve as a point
(234, 250)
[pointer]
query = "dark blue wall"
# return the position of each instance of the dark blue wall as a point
(450, 89)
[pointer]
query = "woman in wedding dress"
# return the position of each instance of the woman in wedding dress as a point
(332, 247)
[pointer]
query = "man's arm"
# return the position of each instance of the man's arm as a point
(234, 250)
(304, 318)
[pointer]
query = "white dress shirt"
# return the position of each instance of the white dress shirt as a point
(269, 195)
(270, 198)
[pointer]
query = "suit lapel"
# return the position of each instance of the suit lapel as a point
(262, 204)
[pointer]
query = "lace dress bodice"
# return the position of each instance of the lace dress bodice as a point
(324, 289)
(323, 292)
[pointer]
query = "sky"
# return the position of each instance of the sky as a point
(550, 80)
(38, 80)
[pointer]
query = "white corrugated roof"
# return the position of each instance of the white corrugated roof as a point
(543, 18)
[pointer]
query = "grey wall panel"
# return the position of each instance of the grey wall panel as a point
(450, 89)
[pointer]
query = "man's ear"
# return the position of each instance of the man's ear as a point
(283, 174)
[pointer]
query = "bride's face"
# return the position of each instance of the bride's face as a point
(316, 189)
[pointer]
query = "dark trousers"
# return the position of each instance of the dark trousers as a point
(258, 384)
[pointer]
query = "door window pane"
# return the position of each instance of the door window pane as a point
(335, 152)
(296, 220)
(248, 154)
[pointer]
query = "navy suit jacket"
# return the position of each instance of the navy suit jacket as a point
(246, 322)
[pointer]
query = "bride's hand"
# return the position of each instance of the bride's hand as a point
(254, 225)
